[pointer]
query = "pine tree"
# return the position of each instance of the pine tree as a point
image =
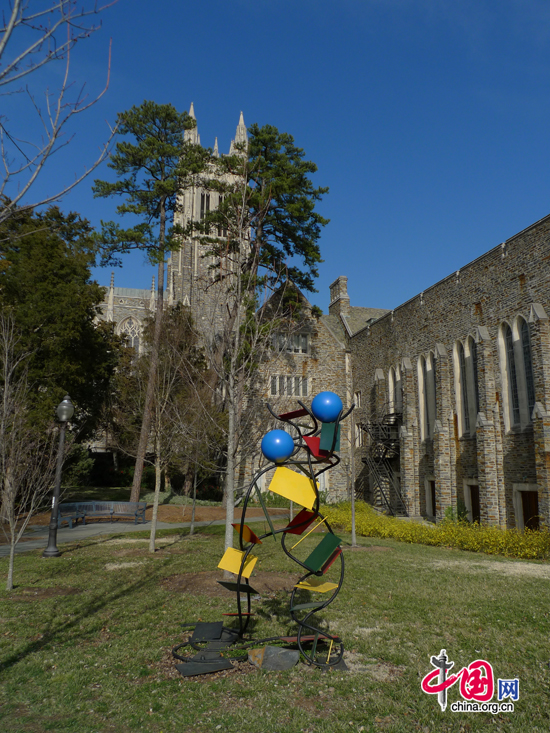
(153, 164)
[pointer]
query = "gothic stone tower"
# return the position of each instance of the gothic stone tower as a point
(189, 274)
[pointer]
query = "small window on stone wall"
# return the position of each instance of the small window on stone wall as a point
(296, 343)
(289, 386)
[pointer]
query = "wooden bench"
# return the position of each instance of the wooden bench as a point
(97, 509)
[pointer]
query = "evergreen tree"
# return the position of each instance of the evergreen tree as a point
(45, 286)
(153, 167)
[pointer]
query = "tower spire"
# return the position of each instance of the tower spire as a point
(241, 137)
(216, 152)
(192, 136)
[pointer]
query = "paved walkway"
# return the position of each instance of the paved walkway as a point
(36, 538)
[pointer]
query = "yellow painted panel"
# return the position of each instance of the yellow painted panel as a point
(293, 486)
(318, 585)
(232, 560)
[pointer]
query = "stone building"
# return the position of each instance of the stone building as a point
(312, 357)
(454, 387)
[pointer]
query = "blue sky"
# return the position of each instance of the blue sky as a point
(427, 119)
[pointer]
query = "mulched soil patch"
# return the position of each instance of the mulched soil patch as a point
(42, 594)
(267, 584)
(165, 669)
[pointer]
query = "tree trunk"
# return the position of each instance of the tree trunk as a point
(192, 527)
(188, 480)
(9, 582)
(158, 476)
(7, 508)
(150, 395)
(229, 492)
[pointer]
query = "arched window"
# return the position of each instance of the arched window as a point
(427, 397)
(466, 385)
(528, 366)
(465, 407)
(517, 373)
(395, 390)
(391, 391)
(512, 374)
(472, 346)
(398, 391)
(131, 329)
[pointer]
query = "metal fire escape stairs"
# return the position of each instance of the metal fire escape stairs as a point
(382, 455)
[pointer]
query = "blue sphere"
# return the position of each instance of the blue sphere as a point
(277, 446)
(326, 406)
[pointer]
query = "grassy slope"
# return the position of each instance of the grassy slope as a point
(86, 662)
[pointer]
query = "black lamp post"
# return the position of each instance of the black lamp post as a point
(65, 410)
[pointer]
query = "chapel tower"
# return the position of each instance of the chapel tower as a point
(189, 268)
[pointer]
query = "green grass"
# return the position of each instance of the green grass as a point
(98, 493)
(89, 662)
(116, 493)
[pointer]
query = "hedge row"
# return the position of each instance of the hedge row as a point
(529, 545)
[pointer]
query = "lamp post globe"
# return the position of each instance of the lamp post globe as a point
(65, 409)
(64, 412)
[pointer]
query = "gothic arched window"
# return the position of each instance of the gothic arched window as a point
(427, 396)
(472, 346)
(517, 373)
(528, 366)
(132, 330)
(398, 391)
(465, 407)
(391, 390)
(466, 385)
(511, 372)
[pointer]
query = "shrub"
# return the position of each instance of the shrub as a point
(460, 535)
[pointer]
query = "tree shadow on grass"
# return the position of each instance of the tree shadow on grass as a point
(95, 606)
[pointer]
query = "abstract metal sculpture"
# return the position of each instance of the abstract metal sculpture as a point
(312, 451)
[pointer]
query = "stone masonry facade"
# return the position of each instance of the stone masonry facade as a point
(470, 357)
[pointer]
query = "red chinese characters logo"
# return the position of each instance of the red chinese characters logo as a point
(476, 681)
(474, 685)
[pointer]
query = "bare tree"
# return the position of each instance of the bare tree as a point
(27, 455)
(34, 34)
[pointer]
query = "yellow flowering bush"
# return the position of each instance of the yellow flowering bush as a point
(460, 535)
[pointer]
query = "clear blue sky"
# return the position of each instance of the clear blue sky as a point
(428, 119)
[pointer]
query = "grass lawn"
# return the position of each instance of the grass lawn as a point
(85, 641)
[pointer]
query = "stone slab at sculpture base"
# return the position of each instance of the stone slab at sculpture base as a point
(203, 664)
(273, 658)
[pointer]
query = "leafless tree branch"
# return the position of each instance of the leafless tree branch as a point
(57, 28)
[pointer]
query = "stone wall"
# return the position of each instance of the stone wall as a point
(502, 451)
